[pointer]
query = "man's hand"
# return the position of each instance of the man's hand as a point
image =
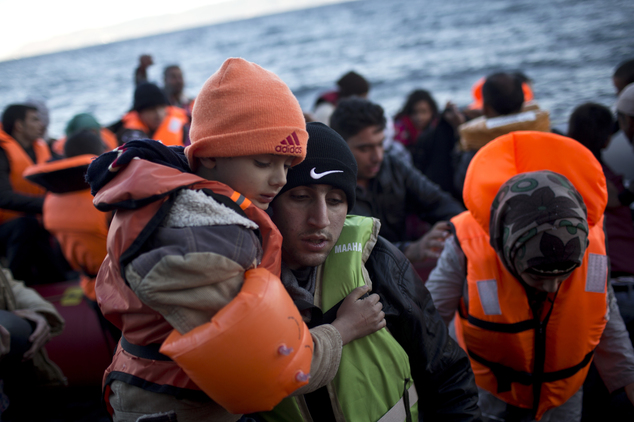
(40, 336)
(357, 317)
(145, 61)
(5, 341)
(453, 115)
(430, 245)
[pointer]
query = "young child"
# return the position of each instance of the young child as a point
(183, 236)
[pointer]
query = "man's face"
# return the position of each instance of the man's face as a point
(548, 284)
(31, 128)
(367, 148)
(153, 117)
(619, 84)
(310, 219)
(174, 81)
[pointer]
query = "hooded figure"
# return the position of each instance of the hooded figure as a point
(526, 274)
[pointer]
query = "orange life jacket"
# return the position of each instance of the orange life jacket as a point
(140, 324)
(515, 357)
(79, 227)
(170, 132)
(81, 234)
(108, 138)
(19, 160)
(520, 360)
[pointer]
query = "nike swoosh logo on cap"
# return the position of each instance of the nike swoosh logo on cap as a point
(316, 175)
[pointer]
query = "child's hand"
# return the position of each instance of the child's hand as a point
(357, 317)
(41, 334)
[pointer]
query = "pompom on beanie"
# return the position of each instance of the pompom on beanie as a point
(244, 109)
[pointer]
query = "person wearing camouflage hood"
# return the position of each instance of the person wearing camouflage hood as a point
(526, 274)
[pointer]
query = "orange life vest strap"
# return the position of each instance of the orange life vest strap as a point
(506, 375)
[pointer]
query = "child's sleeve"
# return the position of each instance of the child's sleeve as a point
(190, 273)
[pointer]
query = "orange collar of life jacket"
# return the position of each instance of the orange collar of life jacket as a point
(526, 151)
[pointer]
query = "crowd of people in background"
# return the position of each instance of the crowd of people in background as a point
(480, 227)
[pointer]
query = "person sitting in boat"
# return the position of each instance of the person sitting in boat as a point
(22, 236)
(349, 85)
(505, 110)
(591, 125)
(27, 323)
(80, 122)
(387, 188)
(173, 85)
(153, 117)
(524, 277)
(82, 233)
(419, 114)
(410, 369)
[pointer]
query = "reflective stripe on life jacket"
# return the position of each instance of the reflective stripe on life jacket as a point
(170, 131)
(19, 161)
(374, 381)
(524, 362)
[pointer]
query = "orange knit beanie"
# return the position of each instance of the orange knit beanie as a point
(244, 109)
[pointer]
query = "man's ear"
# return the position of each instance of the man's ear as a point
(488, 111)
(207, 162)
(18, 126)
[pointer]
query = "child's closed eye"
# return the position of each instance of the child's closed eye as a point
(261, 164)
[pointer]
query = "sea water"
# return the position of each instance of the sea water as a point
(568, 47)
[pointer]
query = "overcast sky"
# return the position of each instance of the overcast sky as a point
(29, 27)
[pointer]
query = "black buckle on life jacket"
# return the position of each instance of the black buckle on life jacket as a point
(150, 351)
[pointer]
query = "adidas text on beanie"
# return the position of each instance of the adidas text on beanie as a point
(244, 109)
